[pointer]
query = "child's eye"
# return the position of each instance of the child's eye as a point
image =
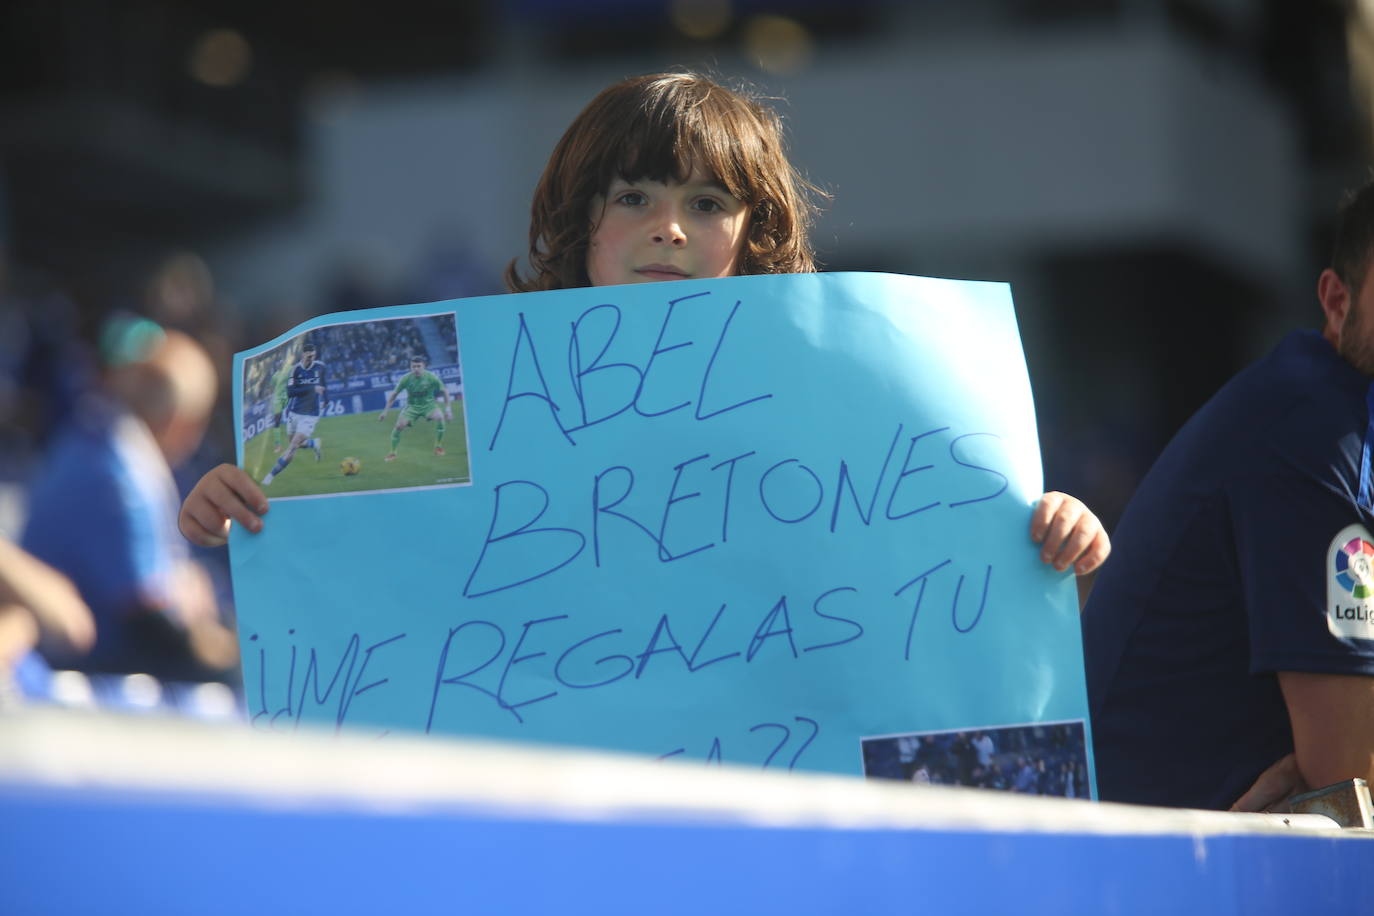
(707, 205)
(630, 199)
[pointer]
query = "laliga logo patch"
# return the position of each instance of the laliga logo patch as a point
(1350, 583)
(1353, 566)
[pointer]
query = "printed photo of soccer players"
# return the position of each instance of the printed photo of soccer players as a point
(312, 407)
(1048, 758)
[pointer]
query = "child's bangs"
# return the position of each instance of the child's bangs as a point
(655, 155)
(666, 148)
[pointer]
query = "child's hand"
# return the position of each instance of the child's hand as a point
(226, 493)
(1069, 534)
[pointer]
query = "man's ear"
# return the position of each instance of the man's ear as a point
(1334, 296)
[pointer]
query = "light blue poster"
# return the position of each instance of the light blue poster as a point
(772, 521)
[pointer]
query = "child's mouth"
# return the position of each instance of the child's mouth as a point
(661, 272)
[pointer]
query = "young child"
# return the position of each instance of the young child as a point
(662, 177)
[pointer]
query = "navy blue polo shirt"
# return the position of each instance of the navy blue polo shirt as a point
(1236, 559)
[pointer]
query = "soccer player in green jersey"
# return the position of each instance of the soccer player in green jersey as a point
(421, 387)
(279, 398)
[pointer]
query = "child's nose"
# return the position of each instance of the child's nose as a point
(668, 231)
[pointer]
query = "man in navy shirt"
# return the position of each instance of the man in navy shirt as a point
(1230, 642)
(305, 389)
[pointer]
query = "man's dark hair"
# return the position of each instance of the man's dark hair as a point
(308, 348)
(1354, 238)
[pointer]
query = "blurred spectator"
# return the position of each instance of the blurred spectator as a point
(1067, 787)
(103, 508)
(1044, 779)
(42, 368)
(180, 295)
(38, 607)
(1026, 776)
(966, 759)
(983, 744)
(18, 636)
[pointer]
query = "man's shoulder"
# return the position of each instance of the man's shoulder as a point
(1309, 370)
(1300, 398)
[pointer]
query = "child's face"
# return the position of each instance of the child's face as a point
(648, 230)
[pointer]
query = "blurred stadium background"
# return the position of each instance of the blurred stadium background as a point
(1157, 178)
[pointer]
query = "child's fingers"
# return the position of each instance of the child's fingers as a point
(224, 494)
(231, 499)
(1076, 541)
(244, 488)
(1044, 512)
(1062, 528)
(1069, 534)
(197, 533)
(1095, 555)
(1084, 547)
(211, 515)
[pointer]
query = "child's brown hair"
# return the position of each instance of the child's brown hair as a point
(658, 127)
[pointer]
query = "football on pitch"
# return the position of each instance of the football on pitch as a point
(350, 466)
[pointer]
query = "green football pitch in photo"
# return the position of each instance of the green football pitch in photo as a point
(360, 436)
